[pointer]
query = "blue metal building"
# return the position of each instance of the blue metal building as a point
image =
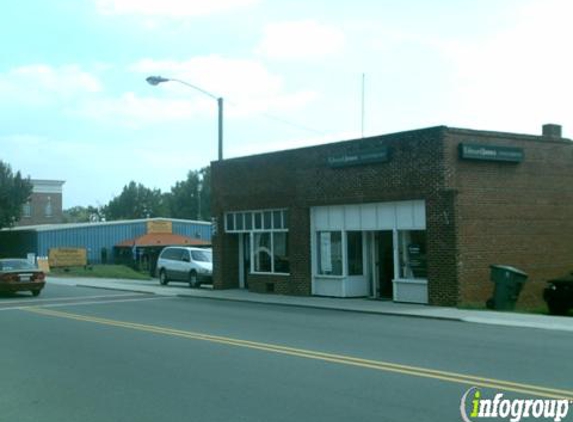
(94, 237)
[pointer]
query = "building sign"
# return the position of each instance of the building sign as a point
(159, 226)
(67, 257)
(491, 153)
(43, 264)
(360, 157)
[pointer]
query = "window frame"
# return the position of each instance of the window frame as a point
(271, 221)
(342, 255)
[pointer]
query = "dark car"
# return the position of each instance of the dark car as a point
(19, 275)
(559, 295)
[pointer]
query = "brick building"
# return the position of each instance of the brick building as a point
(416, 216)
(44, 205)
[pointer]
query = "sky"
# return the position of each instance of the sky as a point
(75, 106)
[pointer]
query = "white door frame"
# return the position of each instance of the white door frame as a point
(242, 260)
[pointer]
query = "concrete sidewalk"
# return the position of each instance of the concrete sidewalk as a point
(370, 306)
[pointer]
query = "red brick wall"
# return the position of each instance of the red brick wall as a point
(38, 203)
(513, 214)
(299, 179)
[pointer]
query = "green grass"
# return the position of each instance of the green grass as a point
(101, 271)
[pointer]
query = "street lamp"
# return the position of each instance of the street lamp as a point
(156, 80)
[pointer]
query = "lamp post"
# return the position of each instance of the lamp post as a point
(156, 80)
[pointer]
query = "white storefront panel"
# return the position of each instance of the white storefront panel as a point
(397, 217)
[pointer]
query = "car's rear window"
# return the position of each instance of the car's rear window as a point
(202, 256)
(15, 264)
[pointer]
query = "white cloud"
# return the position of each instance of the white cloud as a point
(42, 84)
(246, 85)
(170, 8)
(305, 39)
(134, 111)
(519, 77)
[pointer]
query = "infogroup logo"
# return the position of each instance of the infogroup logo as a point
(474, 407)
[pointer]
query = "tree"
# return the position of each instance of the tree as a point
(137, 201)
(79, 214)
(184, 197)
(15, 191)
(191, 198)
(205, 173)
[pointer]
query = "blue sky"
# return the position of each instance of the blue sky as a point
(74, 104)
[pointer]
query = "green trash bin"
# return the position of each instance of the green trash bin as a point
(508, 284)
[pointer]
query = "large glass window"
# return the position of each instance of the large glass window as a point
(329, 252)
(263, 252)
(269, 233)
(354, 248)
(412, 254)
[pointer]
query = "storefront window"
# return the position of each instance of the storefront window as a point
(263, 253)
(354, 247)
(269, 233)
(412, 254)
(329, 253)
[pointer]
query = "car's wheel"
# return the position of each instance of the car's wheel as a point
(163, 278)
(36, 292)
(193, 280)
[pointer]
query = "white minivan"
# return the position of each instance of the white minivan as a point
(181, 263)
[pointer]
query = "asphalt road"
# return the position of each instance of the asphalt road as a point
(77, 354)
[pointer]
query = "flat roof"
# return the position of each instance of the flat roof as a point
(455, 130)
(65, 226)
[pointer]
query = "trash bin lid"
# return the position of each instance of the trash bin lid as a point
(509, 268)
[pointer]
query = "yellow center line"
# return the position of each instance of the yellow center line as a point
(454, 377)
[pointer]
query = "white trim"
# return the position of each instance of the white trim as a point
(233, 214)
(334, 277)
(366, 218)
(241, 261)
(47, 186)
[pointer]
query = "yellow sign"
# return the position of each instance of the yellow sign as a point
(67, 257)
(43, 264)
(159, 226)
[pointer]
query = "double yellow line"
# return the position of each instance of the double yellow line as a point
(527, 389)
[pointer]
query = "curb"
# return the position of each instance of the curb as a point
(119, 289)
(464, 319)
(325, 308)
